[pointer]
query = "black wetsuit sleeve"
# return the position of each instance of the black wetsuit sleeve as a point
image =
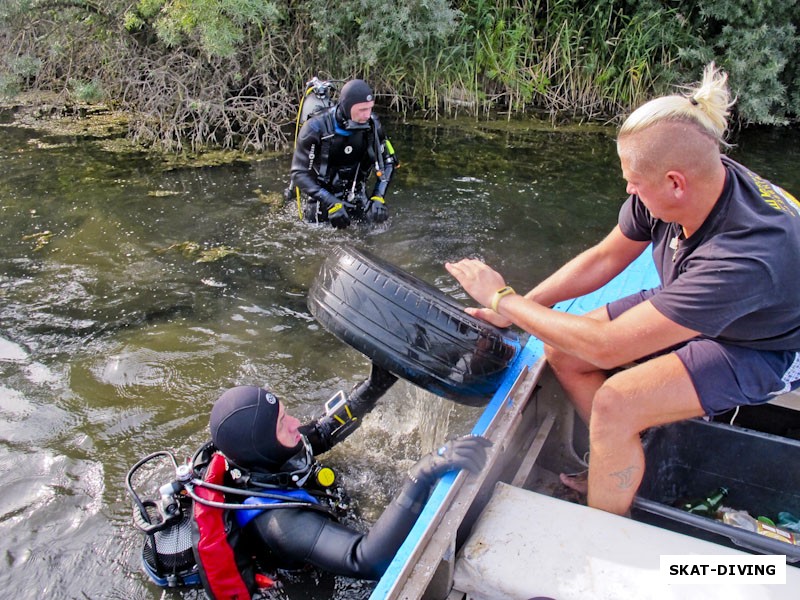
(305, 162)
(298, 535)
(326, 432)
(389, 161)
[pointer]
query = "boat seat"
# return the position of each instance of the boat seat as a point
(789, 400)
(527, 545)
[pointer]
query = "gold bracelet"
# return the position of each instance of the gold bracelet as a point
(500, 294)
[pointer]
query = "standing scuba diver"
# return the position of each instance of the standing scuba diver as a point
(335, 152)
(256, 499)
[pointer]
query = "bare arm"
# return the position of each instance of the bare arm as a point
(590, 270)
(585, 273)
(606, 344)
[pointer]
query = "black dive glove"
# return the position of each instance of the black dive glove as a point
(337, 215)
(376, 210)
(335, 209)
(467, 452)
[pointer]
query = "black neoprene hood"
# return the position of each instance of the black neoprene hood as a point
(243, 427)
(354, 92)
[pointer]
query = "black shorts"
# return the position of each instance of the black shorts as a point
(725, 375)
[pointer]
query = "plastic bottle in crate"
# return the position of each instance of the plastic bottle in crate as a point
(741, 518)
(787, 520)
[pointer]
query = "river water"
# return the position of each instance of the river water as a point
(131, 296)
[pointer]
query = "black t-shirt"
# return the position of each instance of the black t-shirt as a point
(736, 278)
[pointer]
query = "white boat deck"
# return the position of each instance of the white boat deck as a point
(528, 545)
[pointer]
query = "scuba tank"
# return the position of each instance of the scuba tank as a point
(317, 97)
(167, 555)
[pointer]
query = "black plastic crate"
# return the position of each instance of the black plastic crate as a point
(692, 458)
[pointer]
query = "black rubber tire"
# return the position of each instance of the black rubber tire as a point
(411, 328)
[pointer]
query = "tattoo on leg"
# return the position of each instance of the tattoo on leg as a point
(624, 478)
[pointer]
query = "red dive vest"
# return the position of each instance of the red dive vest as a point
(227, 574)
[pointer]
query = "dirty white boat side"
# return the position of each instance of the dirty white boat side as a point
(510, 533)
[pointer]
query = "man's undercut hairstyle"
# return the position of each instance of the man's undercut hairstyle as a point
(706, 106)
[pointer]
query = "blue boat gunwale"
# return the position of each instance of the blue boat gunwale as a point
(639, 275)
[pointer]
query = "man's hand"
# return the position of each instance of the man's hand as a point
(481, 282)
(488, 315)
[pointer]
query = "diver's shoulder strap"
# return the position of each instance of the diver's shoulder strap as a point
(328, 131)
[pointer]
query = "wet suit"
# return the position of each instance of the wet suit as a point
(243, 423)
(301, 536)
(335, 171)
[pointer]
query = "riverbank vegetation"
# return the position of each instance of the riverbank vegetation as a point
(228, 73)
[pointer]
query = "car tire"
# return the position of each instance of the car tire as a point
(411, 328)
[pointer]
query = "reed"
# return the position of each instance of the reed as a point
(204, 73)
(582, 59)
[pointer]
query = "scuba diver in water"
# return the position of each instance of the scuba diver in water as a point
(255, 499)
(335, 152)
